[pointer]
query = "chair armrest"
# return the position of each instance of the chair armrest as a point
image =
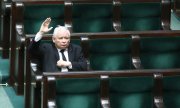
(49, 92)
(135, 50)
(158, 89)
(36, 79)
(105, 101)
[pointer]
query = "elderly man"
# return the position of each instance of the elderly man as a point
(60, 55)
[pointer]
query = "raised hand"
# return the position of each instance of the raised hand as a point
(45, 26)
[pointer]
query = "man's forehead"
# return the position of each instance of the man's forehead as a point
(63, 33)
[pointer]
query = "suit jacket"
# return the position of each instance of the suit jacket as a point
(48, 55)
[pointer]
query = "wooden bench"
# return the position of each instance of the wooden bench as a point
(116, 89)
(135, 14)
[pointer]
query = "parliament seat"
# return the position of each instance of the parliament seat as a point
(78, 93)
(71, 92)
(35, 14)
(131, 92)
(171, 92)
(110, 53)
(95, 17)
(144, 15)
(160, 53)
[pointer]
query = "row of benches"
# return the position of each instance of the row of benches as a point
(133, 44)
(21, 36)
(118, 51)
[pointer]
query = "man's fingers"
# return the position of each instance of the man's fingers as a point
(47, 21)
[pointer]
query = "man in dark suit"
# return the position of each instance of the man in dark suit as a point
(60, 55)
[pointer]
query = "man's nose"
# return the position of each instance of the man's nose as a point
(64, 40)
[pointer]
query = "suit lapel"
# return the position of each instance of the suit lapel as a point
(70, 53)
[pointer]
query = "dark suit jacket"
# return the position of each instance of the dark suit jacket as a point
(48, 55)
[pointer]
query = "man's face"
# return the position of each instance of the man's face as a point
(61, 40)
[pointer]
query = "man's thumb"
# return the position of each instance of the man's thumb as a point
(50, 28)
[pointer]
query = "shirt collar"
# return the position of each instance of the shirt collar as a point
(61, 49)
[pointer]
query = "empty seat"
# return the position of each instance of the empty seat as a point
(140, 16)
(131, 92)
(35, 14)
(160, 52)
(171, 91)
(110, 54)
(95, 17)
(78, 93)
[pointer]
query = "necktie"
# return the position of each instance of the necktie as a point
(63, 56)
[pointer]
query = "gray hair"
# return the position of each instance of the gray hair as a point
(61, 29)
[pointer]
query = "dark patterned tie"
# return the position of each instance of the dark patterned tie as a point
(63, 56)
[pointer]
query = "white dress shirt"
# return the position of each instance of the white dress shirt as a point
(60, 58)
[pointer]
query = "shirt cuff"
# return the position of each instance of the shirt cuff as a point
(38, 36)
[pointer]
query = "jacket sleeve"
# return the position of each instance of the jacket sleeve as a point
(35, 48)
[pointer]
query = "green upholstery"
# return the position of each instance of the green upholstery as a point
(171, 91)
(110, 54)
(4, 69)
(13, 101)
(0, 33)
(140, 16)
(78, 93)
(131, 92)
(160, 53)
(34, 15)
(93, 18)
(175, 22)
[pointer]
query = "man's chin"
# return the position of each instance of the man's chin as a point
(63, 47)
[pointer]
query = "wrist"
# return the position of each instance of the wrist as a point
(38, 36)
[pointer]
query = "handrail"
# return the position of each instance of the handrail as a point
(123, 73)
